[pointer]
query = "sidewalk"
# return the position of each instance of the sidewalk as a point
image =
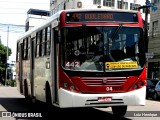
(9, 92)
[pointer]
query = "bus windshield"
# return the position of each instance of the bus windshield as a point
(107, 48)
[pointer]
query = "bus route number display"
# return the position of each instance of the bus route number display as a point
(100, 16)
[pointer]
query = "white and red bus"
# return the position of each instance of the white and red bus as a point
(85, 58)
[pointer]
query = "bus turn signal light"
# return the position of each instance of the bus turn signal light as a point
(68, 86)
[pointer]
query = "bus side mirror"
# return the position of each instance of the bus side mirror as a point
(57, 36)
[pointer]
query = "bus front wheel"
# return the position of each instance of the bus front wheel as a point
(119, 111)
(27, 97)
(48, 96)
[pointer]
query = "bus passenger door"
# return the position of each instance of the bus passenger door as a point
(21, 68)
(32, 40)
(54, 68)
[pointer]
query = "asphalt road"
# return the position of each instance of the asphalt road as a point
(12, 102)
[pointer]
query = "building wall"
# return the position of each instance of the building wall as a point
(154, 42)
(155, 17)
(57, 5)
(34, 21)
(35, 17)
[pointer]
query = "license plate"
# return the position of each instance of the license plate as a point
(105, 99)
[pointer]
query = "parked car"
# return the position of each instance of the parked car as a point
(150, 88)
(157, 91)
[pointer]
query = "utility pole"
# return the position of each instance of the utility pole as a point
(146, 7)
(7, 56)
(64, 7)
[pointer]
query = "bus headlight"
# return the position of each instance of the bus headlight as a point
(141, 83)
(65, 85)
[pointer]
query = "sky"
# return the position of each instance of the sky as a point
(14, 12)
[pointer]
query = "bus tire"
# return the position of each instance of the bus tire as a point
(119, 111)
(48, 95)
(33, 100)
(27, 98)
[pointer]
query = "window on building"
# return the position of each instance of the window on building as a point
(97, 2)
(156, 1)
(153, 70)
(144, 10)
(61, 6)
(125, 5)
(109, 3)
(154, 28)
(136, 7)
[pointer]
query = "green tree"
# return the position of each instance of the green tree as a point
(3, 58)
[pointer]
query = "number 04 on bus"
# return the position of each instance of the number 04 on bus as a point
(85, 58)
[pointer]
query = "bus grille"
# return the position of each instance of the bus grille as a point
(104, 81)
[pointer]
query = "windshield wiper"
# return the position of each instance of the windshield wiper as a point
(112, 39)
(116, 32)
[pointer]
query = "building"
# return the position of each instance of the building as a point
(154, 42)
(35, 17)
(57, 5)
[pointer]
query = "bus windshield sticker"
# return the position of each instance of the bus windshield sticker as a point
(115, 65)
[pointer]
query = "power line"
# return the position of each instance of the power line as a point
(12, 13)
(23, 2)
(12, 25)
(12, 28)
(14, 8)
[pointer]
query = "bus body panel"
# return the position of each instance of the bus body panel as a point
(41, 76)
(71, 99)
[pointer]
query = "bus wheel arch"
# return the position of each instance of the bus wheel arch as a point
(119, 111)
(48, 94)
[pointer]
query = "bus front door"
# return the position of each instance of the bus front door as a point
(32, 40)
(21, 68)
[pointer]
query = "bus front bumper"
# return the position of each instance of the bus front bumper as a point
(71, 99)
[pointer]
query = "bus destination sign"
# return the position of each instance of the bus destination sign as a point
(101, 16)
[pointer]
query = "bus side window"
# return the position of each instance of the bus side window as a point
(44, 37)
(38, 40)
(25, 46)
(22, 48)
(18, 50)
(48, 41)
(40, 43)
(28, 51)
(37, 50)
